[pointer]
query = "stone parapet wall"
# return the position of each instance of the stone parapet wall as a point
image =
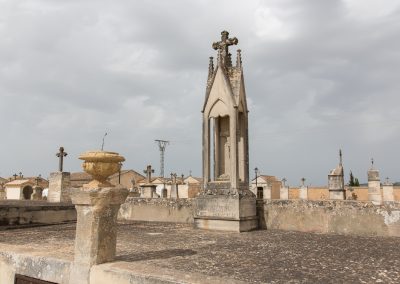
(157, 210)
(338, 217)
(18, 212)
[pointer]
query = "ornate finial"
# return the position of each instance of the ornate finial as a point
(238, 59)
(340, 157)
(222, 47)
(211, 68)
(229, 60)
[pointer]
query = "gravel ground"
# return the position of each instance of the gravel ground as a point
(266, 256)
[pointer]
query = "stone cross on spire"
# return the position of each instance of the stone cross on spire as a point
(223, 48)
(148, 171)
(61, 154)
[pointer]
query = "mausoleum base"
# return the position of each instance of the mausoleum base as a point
(235, 213)
(337, 194)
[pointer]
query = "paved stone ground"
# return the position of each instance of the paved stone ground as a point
(253, 257)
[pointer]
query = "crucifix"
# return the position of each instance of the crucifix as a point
(223, 45)
(20, 175)
(39, 178)
(148, 171)
(61, 154)
(15, 176)
(302, 181)
(284, 182)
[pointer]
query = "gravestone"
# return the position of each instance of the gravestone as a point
(174, 187)
(284, 190)
(374, 185)
(148, 189)
(336, 182)
(303, 190)
(59, 182)
(225, 202)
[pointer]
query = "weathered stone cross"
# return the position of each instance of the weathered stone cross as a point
(61, 154)
(302, 181)
(173, 178)
(284, 182)
(223, 45)
(148, 171)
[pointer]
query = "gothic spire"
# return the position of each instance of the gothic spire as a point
(238, 59)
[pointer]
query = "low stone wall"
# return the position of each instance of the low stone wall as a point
(157, 210)
(339, 217)
(18, 212)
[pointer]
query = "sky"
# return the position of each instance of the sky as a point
(320, 76)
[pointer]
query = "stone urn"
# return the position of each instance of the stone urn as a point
(100, 165)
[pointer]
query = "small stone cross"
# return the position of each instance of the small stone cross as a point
(284, 182)
(372, 163)
(148, 171)
(39, 178)
(20, 175)
(302, 181)
(15, 176)
(61, 154)
(223, 46)
(387, 180)
(173, 178)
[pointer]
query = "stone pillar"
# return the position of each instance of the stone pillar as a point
(148, 191)
(59, 186)
(374, 187)
(267, 192)
(174, 191)
(387, 192)
(96, 228)
(284, 192)
(303, 192)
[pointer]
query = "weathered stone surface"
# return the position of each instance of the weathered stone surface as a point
(341, 217)
(157, 209)
(59, 186)
(284, 193)
(96, 232)
(225, 212)
(147, 251)
(20, 212)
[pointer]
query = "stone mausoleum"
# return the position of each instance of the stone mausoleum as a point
(226, 203)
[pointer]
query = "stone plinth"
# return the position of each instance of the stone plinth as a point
(174, 191)
(226, 212)
(148, 191)
(303, 192)
(96, 229)
(387, 192)
(337, 194)
(59, 185)
(284, 193)
(374, 187)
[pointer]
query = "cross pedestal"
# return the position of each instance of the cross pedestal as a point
(96, 228)
(59, 186)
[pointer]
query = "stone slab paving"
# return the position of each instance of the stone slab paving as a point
(252, 257)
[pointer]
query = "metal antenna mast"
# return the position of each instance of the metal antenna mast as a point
(162, 144)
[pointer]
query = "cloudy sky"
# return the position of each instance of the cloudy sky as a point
(320, 75)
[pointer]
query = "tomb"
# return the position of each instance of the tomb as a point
(225, 203)
(336, 182)
(59, 182)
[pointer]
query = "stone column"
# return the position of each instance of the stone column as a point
(267, 192)
(387, 192)
(96, 228)
(303, 192)
(374, 187)
(59, 185)
(284, 192)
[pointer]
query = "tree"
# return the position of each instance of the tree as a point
(356, 182)
(351, 181)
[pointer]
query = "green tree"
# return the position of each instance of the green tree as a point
(356, 182)
(351, 181)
